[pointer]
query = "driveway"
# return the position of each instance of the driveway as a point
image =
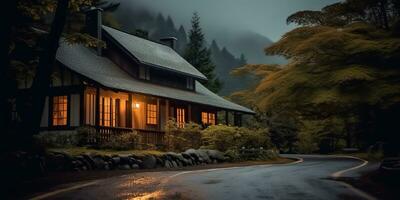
(304, 180)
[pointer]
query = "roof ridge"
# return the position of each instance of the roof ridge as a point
(122, 31)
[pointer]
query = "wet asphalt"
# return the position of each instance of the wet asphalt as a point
(309, 179)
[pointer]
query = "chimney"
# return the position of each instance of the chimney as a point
(169, 41)
(94, 25)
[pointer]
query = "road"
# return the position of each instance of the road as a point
(305, 180)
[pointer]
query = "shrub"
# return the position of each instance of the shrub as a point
(57, 139)
(223, 138)
(180, 139)
(126, 141)
(85, 134)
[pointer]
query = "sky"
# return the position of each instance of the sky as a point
(265, 17)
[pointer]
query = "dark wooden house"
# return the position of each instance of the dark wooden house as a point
(132, 84)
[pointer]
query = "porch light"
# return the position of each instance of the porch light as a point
(136, 105)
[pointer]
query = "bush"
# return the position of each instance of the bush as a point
(126, 141)
(57, 139)
(179, 139)
(223, 138)
(85, 134)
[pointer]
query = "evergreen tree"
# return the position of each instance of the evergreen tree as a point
(200, 56)
(182, 40)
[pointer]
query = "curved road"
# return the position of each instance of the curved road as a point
(304, 180)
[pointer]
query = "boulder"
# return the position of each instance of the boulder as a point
(124, 167)
(203, 154)
(99, 163)
(216, 155)
(167, 164)
(90, 160)
(135, 166)
(174, 164)
(125, 160)
(149, 162)
(193, 153)
(116, 160)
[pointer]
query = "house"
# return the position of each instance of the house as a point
(132, 84)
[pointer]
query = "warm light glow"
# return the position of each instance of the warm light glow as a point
(136, 105)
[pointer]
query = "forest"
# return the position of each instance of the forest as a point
(340, 87)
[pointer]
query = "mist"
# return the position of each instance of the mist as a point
(221, 17)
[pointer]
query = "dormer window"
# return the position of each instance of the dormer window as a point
(144, 73)
(189, 83)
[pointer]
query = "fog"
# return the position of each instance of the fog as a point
(219, 17)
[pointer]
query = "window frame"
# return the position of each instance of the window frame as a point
(51, 110)
(180, 124)
(151, 105)
(206, 118)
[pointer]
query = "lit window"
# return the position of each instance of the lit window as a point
(204, 117)
(208, 118)
(211, 118)
(105, 111)
(151, 114)
(180, 117)
(60, 111)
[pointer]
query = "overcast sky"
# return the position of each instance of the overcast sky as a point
(266, 17)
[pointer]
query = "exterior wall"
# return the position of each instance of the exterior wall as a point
(74, 111)
(45, 114)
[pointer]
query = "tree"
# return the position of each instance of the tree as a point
(32, 49)
(339, 85)
(200, 56)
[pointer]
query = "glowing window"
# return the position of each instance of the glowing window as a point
(105, 111)
(151, 114)
(60, 111)
(180, 117)
(211, 118)
(204, 118)
(208, 118)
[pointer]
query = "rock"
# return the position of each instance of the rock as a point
(174, 164)
(135, 166)
(193, 153)
(90, 160)
(116, 160)
(124, 167)
(203, 154)
(160, 162)
(149, 162)
(216, 155)
(167, 164)
(99, 163)
(125, 160)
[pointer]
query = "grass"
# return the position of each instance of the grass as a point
(74, 151)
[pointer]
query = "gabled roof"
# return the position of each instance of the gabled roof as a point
(153, 54)
(86, 62)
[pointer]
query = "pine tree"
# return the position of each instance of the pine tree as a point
(200, 56)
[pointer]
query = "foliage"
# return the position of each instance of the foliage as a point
(199, 56)
(341, 83)
(57, 139)
(122, 142)
(180, 139)
(224, 138)
(382, 13)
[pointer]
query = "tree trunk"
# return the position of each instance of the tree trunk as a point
(384, 13)
(5, 88)
(41, 82)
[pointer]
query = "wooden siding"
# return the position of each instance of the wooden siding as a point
(74, 111)
(45, 114)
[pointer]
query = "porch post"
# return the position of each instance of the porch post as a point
(166, 110)
(129, 112)
(97, 123)
(189, 113)
(226, 117)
